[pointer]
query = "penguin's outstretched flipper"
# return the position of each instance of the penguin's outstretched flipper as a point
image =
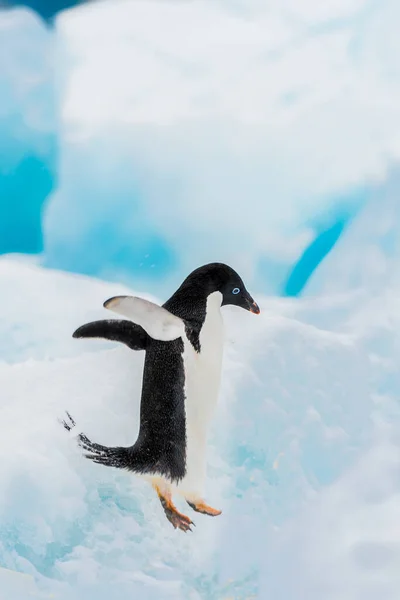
(158, 322)
(126, 332)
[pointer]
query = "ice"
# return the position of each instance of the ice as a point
(27, 128)
(303, 456)
(369, 249)
(198, 130)
(46, 10)
(241, 132)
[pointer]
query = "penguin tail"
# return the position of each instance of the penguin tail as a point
(68, 424)
(117, 457)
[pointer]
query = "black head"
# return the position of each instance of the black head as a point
(218, 277)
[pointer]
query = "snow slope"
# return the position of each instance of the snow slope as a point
(303, 455)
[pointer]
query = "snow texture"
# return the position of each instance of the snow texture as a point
(303, 456)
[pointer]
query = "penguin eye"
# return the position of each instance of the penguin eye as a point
(235, 291)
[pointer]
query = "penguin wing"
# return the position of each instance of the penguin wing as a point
(157, 321)
(126, 332)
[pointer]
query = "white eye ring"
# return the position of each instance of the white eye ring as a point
(235, 291)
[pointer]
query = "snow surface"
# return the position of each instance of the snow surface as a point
(230, 129)
(303, 458)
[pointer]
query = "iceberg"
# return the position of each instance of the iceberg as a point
(191, 132)
(140, 139)
(27, 129)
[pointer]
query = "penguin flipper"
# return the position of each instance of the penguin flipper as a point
(157, 321)
(126, 332)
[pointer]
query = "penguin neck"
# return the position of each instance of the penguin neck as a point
(193, 307)
(213, 303)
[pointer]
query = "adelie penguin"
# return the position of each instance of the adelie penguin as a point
(183, 341)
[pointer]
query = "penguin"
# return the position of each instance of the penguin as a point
(183, 340)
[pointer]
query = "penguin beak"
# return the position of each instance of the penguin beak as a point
(252, 306)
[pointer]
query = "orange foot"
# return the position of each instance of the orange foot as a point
(178, 520)
(202, 507)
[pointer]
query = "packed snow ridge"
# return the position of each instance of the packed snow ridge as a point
(303, 456)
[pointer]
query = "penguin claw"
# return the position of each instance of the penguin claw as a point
(177, 519)
(180, 521)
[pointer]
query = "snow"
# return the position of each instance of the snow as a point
(40, 313)
(303, 457)
(346, 543)
(184, 126)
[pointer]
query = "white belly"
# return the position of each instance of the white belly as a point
(203, 375)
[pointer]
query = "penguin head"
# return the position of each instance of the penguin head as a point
(234, 292)
(218, 277)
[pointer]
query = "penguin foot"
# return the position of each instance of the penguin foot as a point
(203, 508)
(177, 519)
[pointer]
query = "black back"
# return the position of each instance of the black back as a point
(162, 434)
